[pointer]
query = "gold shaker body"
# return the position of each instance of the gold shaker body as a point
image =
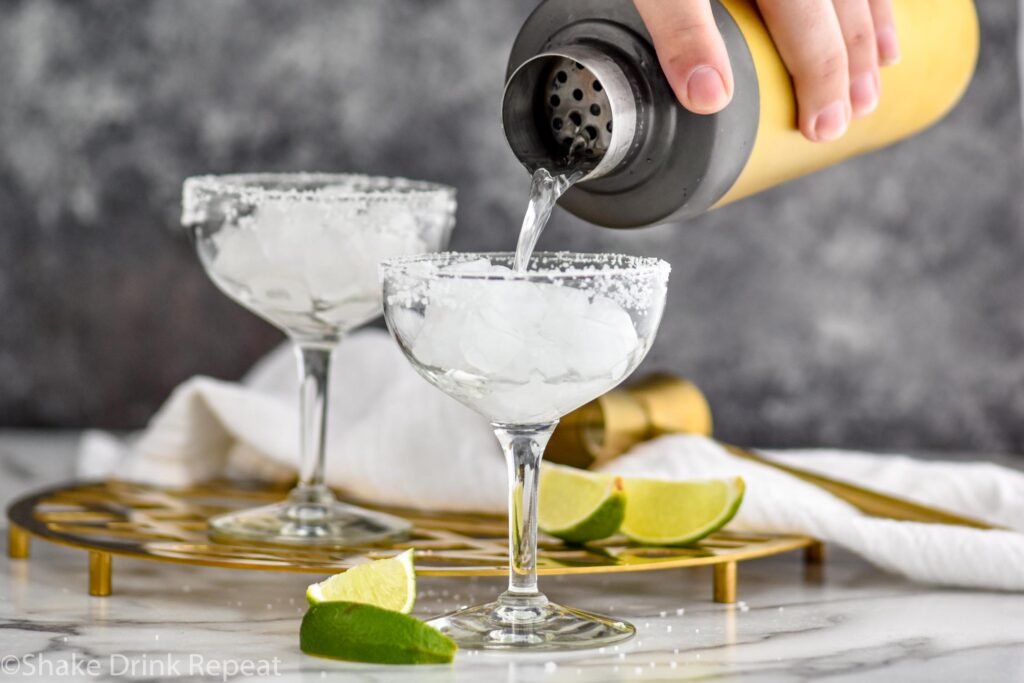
(939, 43)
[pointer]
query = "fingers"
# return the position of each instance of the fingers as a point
(691, 52)
(810, 41)
(832, 48)
(858, 29)
(885, 31)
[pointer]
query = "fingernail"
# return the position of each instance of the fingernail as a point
(863, 94)
(888, 46)
(830, 122)
(705, 90)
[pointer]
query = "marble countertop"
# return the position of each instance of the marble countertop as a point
(853, 622)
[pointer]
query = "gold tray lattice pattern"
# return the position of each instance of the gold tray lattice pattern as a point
(151, 523)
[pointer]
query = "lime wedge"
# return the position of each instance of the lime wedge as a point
(389, 584)
(363, 633)
(579, 506)
(679, 512)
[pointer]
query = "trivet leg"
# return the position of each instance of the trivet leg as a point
(725, 582)
(99, 573)
(814, 553)
(17, 542)
(814, 563)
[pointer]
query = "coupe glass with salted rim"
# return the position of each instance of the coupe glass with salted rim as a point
(524, 349)
(301, 251)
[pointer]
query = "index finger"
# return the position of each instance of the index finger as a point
(691, 51)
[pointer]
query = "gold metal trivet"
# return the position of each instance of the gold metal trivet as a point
(150, 523)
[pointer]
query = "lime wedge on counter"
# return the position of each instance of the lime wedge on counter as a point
(363, 633)
(679, 512)
(579, 506)
(389, 584)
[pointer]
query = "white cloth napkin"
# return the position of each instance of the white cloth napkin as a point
(396, 440)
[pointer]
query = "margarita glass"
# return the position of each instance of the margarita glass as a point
(523, 349)
(301, 251)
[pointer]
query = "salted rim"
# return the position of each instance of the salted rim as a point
(391, 187)
(637, 265)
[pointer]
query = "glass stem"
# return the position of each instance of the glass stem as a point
(524, 447)
(314, 375)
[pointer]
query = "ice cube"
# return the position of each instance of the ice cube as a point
(507, 320)
(438, 343)
(351, 311)
(606, 341)
(566, 301)
(276, 292)
(395, 220)
(407, 324)
(537, 400)
(534, 351)
(564, 397)
(511, 302)
(521, 403)
(334, 269)
(491, 349)
(283, 231)
(378, 246)
(559, 336)
(480, 265)
(238, 256)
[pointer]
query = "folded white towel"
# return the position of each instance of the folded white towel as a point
(396, 440)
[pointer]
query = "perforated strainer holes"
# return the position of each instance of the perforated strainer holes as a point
(577, 109)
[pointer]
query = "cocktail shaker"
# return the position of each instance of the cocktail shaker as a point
(587, 68)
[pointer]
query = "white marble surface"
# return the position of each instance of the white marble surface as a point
(852, 623)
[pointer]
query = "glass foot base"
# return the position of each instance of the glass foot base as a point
(530, 624)
(308, 517)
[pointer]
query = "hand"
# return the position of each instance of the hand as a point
(832, 48)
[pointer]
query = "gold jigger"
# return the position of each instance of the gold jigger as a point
(662, 404)
(609, 426)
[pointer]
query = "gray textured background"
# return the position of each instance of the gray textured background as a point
(876, 304)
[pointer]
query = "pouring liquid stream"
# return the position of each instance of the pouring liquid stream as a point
(545, 189)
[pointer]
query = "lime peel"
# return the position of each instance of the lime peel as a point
(579, 506)
(359, 632)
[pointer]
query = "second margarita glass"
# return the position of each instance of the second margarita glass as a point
(301, 251)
